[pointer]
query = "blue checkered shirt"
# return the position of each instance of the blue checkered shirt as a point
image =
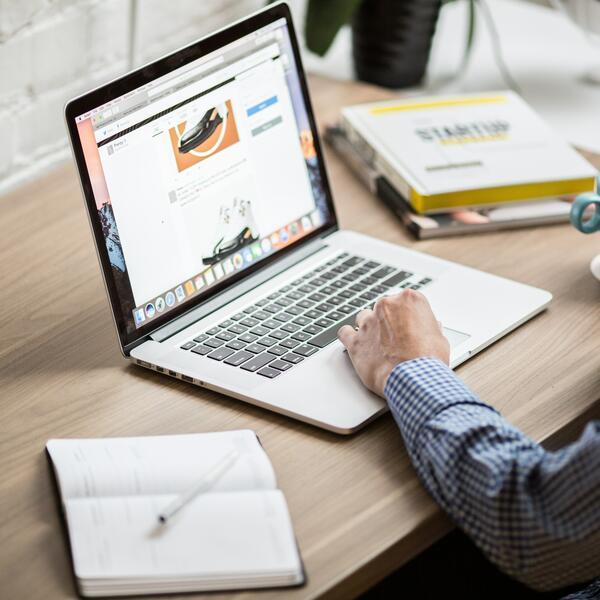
(534, 513)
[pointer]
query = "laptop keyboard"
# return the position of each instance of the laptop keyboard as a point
(279, 331)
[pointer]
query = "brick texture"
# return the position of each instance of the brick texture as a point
(52, 50)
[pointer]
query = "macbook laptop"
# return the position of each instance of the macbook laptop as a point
(217, 236)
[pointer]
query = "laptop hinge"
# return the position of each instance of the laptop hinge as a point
(239, 289)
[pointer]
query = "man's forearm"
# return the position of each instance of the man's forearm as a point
(498, 485)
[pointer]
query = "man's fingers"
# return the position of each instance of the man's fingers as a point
(346, 335)
(362, 315)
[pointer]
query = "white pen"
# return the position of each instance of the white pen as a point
(209, 479)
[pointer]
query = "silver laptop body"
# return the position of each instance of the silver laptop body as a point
(217, 236)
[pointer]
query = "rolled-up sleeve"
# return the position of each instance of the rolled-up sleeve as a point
(534, 513)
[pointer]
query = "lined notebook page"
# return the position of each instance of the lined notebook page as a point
(158, 465)
(218, 536)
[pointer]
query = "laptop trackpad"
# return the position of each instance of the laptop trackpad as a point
(456, 338)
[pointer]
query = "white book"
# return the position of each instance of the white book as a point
(236, 535)
(465, 151)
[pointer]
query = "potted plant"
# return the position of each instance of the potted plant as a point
(391, 39)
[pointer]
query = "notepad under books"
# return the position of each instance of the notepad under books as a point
(235, 535)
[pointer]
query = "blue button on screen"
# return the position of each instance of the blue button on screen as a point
(258, 107)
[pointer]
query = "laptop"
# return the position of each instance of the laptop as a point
(216, 232)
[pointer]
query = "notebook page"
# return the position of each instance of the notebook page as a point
(158, 465)
(215, 537)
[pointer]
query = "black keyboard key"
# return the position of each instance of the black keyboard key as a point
(312, 329)
(290, 327)
(294, 295)
(214, 342)
(254, 348)
(271, 324)
(305, 350)
(396, 279)
(323, 323)
(259, 331)
(358, 287)
(425, 281)
(336, 301)
(405, 285)
(201, 337)
(272, 309)
(283, 317)
(301, 321)
(201, 349)
(267, 341)
(359, 271)
(347, 294)
(213, 330)
(285, 289)
(187, 346)
(237, 329)
(278, 334)
(273, 296)
(249, 310)
(238, 316)
(317, 297)
(301, 336)
(262, 302)
(226, 336)
(368, 296)
(247, 337)
(249, 322)
(329, 275)
(284, 302)
(261, 315)
(226, 324)
(368, 281)
(289, 343)
(353, 260)
(297, 282)
(277, 350)
(328, 335)
(306, 303)
(335, 315)
(379, 289)
(340, 283)
(235, 344)
(221, 353)
(324, 307)
(306, 289)
(357, 302)
(383, 272)
(415, 287)
(317, 282)
(312, 314)
(281, 365)
(292, 358)
(372, 264)
(294, 310)
(328, 290)
(256, 363)
(340, 269)
(268, 372)
(347, 310)
(238, 358)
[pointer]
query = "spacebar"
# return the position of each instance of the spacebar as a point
(326, 337)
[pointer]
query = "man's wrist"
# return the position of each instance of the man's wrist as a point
(418, 389)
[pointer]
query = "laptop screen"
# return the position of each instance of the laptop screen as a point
(203, 173)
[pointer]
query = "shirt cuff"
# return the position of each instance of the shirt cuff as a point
(418, 390)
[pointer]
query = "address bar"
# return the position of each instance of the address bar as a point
(187, 75)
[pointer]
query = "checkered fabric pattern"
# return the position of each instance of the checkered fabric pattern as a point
(534, 513)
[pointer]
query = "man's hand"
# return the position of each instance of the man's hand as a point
(399, 328)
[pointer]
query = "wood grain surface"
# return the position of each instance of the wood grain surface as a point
(358, 509)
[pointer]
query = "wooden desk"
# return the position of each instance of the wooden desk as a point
(358, 509)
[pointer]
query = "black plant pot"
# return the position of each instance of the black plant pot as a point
(391, 40)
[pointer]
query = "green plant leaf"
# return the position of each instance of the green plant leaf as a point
(324, 18)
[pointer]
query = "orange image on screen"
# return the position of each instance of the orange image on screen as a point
(200, 139)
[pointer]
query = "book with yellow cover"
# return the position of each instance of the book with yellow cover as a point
(466, 151)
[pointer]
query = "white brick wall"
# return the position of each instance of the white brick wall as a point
(51, 50)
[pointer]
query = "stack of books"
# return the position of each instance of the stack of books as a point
(461, 164)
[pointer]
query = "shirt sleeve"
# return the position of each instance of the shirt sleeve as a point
(534, 513)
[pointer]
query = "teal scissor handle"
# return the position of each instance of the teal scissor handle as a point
(578, 208)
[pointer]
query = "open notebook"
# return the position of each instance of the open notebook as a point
(237, 535)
